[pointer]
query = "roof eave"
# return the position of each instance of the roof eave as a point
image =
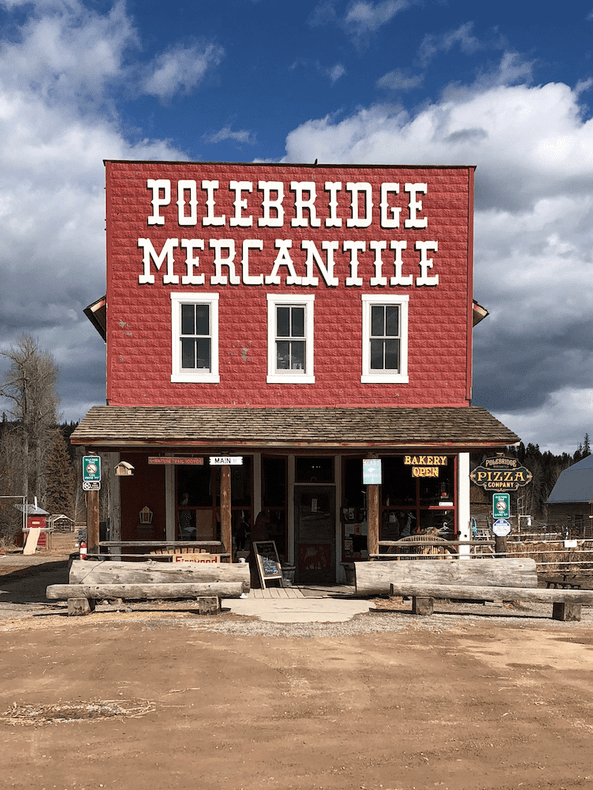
(97, 315)
(286, 444)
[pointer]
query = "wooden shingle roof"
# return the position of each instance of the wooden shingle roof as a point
(153, 426)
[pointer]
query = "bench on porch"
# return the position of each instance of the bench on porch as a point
(466, 579)
(95, 581)
(566, 582)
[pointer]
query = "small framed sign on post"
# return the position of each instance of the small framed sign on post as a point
(268, 563)
(501, 505)
(91, 469)
(371, 471)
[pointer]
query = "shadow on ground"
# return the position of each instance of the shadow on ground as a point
(28, 585)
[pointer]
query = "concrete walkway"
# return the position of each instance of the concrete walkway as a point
(298, 610)
(300, 604)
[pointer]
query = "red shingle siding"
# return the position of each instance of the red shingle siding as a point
(139, 316)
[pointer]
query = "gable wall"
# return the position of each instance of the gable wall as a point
(139, 314)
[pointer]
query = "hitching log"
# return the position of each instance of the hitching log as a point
(481, 593)
(139, 592)
(107, 572)
(374, 578)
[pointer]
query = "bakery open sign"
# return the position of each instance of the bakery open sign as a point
(425, 465)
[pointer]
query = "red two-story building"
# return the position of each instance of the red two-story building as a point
(288, 322)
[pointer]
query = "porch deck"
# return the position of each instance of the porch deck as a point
(304, 591)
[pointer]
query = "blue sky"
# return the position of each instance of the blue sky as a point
(506, 86)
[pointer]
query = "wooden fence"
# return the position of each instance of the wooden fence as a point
(560, 556)
(551, 556)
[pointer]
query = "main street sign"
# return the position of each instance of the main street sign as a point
(500, 474)
(226, 460)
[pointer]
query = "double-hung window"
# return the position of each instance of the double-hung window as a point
(195, 337)
(384, 339)
(290, 339)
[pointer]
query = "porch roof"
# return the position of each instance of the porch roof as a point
(459, 429)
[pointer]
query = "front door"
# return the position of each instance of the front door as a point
(315, 534)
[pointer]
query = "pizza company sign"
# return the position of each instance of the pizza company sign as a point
(500, 474)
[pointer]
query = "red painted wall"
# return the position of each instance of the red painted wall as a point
(145, 488)
(139, 315)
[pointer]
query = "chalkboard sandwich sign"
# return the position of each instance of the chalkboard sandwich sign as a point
(268, 563)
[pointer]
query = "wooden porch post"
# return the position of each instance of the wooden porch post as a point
(226, 534)
(373, 519)
(500, 546)
(92, 521)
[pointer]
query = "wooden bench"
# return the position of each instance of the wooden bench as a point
(564, 583)
(95, 581)
(466, 579)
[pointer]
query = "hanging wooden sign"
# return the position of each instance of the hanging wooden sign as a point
(171, 460)
(500, 474)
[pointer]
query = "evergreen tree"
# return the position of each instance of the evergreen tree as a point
(59, 492)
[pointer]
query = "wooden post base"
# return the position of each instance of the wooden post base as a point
(423, 606)
(209, 605)
(567, 611)
(77, 607)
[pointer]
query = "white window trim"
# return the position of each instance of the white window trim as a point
(290, 376)
(384, 377)
(187, 375)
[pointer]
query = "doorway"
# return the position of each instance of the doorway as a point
(315, 534)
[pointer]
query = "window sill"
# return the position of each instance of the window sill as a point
(384, 378)
(290, 378)
(195, 378)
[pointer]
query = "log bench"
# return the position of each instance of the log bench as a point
(95, 581)
(466, 579)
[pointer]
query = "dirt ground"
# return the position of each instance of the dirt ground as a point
(138, 700)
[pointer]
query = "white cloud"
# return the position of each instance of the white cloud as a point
(533, 147)
(180, 69)
(335, 72)
(240, 136)
(529, 142)
(511, 70)
(55, 84)
(323, 13)
(362, 17)
(461, 37)
(566, 413)
(400, 80)
(67, 52)
(366, 17)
